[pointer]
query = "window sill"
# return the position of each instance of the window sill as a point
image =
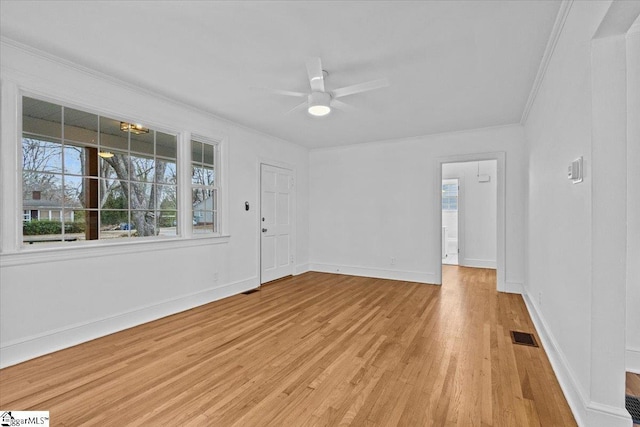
(26, 255)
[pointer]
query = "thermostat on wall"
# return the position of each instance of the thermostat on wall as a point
(575, 171)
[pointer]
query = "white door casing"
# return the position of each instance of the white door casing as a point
(276, 216)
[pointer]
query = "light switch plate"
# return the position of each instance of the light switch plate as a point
(574, 172)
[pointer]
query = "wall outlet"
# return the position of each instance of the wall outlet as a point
(291, 259)
(215, 277)
(393, 261)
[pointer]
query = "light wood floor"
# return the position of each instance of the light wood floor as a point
(633, 384)
(316, 349)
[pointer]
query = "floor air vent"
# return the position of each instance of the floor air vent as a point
(632, 404)
(250, 291)
(523, 338)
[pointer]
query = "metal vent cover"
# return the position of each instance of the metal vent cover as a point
(523, 338)
(632, 404)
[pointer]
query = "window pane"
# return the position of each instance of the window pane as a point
(77, 191)
(166, 172)
(167, 222)
(204, 222)
(202, 199)
(166, 145)
(41, 231)
(114, 164)
(208, 154)
(111, 137)
(42, 156)
(200, 222)
(197, 175)
(144, 223)
(80, 126)
(114, 224)
(209, 176)
(75, 157)
(42, 118)
(114, 219)
(142, 143)
(142, 168)
(196, 151)
(113, 194)
(75, 224)
(41, 189)
(140, 196)
(166, 197)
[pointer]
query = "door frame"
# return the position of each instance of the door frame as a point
(460, 180)
(500, 157)
(292, 234)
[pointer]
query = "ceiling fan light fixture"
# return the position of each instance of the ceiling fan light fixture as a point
(319, 104)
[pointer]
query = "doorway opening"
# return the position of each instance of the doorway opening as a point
(450, 220)
(469, 214)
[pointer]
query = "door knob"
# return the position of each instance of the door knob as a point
(264, 230)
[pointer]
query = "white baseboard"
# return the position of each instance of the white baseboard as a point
(632, 360)
(300, 269)
(586, 412)
(478, 263)
(514, 288)
(378, 273)
(27, 348)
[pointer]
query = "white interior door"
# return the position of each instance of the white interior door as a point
(276, 215)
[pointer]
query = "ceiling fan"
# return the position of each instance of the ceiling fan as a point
(320, 101)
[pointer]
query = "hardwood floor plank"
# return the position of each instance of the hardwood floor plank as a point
(311, 350)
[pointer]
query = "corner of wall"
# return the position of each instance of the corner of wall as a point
(586, 412)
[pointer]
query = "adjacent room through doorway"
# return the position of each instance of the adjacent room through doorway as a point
(450, 218)
(469, 213)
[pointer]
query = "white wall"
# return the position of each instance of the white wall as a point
(479, 201)
(574, 250)
(53, 299)
(373, 202)
(633, 201)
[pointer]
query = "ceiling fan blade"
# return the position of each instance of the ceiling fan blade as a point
(281, 92)
(297, 107)
(316, 78)
(339, 105)
(360, 87)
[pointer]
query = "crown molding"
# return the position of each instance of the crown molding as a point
(556, 31)
(635, 28)
(145, 91)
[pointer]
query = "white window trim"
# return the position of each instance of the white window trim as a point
(12, 249)
(186, 209)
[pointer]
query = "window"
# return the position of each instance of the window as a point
(90, 177)
(449, 197)
(204, 189)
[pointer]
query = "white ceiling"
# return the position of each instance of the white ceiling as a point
(452, 65)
